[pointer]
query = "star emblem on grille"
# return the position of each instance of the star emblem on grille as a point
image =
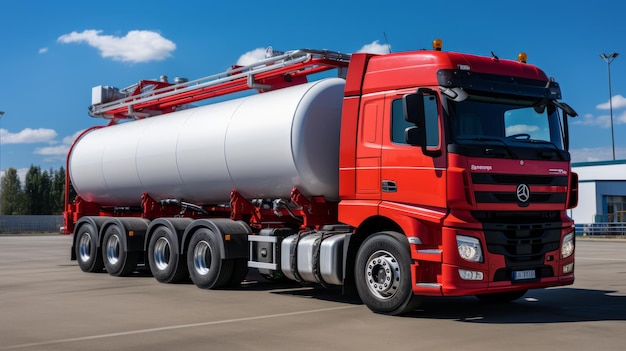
(523, 193)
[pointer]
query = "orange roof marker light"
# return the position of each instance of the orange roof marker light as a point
(522, 57)
(437, 44)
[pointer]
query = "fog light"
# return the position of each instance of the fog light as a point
(568, 268)
(470, 275)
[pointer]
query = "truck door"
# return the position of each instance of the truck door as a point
(369, 142)
(407, 175)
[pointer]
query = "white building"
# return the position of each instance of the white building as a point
(601, 192)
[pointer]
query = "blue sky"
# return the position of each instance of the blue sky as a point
(53, 52)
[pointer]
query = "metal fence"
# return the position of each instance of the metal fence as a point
(603, 229)
(30, 224)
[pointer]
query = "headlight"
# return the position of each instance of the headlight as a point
(469, 248)
(567, 247)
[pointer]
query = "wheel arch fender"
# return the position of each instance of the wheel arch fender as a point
(175, 225)
(231, 235)
(372, 225)
(133, 228)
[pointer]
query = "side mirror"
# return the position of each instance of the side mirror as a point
(424, 118)
(413, 105)
(414, 136)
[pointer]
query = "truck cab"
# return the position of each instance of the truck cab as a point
(466, 156)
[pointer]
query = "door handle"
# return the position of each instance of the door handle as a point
(389, 186)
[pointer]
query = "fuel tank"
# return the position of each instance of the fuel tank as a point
(262, 145)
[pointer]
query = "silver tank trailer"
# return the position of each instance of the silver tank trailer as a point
(262, 145)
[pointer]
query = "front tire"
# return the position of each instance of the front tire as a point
(383, 275)
(117, 260)
(87, 253)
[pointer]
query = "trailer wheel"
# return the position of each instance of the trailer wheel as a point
(117, 260)
(87, 253)
(503, 297)
(382, 274)
(207, 268)
(166, 263)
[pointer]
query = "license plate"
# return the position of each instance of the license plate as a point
(522, 275)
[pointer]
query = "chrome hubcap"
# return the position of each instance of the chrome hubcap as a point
(382, 274)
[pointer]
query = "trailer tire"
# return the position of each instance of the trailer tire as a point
(87, 254)
(207, 268)
(383, 275)
(502, 297)
(166, 262)
(117, 260)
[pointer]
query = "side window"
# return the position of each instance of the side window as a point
(399, 124)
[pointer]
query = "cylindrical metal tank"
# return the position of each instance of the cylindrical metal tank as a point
(262, 145)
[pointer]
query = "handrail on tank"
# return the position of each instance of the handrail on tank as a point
(306, 57)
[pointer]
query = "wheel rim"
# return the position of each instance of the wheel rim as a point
(113, 249)
(84, 247)
(202, 258)
(382, 274)
(162, 253)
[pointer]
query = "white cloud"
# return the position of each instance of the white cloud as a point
(58, 152)
(375, 48)
(597, 154)
(251, 57)
(43, 50)
(27, 136)
(603, 121)
(136, 46)
(256, 55)
(52, 150)
(618, 102)
(69, 140)
(521, 129)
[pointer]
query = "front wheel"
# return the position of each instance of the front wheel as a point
(383, 275)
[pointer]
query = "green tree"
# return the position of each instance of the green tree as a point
(57, 192)
(12, 199)
(43, 193)
(37, 191)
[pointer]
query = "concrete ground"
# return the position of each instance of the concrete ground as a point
(48, 303)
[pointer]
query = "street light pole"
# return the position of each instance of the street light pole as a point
(1, 114)
(608, 59)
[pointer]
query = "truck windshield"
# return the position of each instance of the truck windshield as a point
(514, 123)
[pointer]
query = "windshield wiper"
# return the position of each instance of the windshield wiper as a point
(482, 138)
(543, 142)
(546, 142)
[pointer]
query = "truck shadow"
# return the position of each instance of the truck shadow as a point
(557, 305)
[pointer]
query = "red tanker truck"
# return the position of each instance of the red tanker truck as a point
(396, 176)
